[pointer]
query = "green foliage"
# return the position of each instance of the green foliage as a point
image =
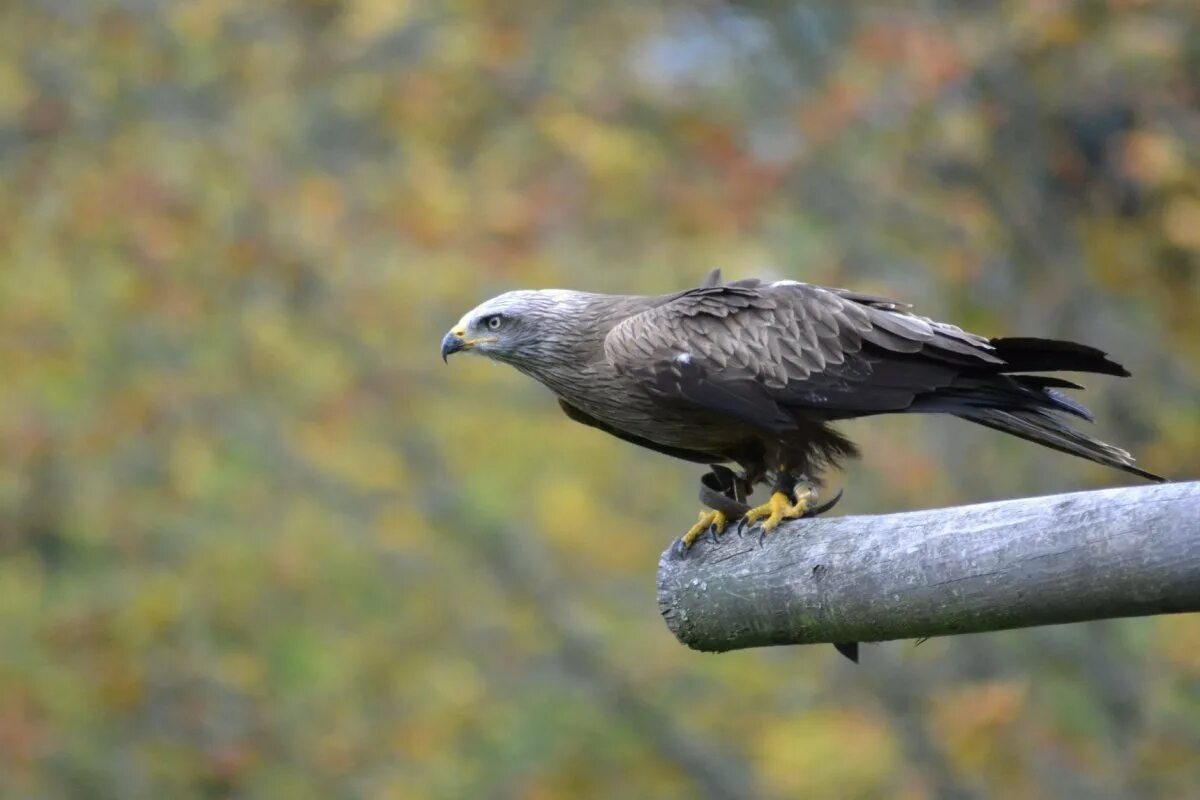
(256, 541)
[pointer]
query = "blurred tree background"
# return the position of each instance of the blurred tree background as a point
(256, 541)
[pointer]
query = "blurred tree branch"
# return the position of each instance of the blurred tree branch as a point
(1011, 564)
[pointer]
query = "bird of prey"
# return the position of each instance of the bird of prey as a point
(754, 373)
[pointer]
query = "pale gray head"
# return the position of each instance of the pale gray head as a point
(519, 328)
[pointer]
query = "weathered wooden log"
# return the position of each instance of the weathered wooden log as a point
(1011, 564)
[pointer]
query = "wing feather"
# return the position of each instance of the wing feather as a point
(763, 352)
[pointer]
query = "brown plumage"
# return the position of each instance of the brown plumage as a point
(755, 372)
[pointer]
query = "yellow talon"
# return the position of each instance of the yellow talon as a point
(774, 510)
(779, 508)
(714, 519)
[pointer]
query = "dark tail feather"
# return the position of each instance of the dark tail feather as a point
(1049, 355)
(1044, 429)
(1007, 392)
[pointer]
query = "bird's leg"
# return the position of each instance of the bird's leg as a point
(790, 499)
(721, 491)
(709, 520)
(772, 512)
(805, 495)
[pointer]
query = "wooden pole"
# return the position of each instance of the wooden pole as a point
(1011, 564)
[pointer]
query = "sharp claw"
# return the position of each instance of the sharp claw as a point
(711, 523)
(821, 509)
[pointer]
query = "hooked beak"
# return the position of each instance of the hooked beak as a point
(455, 340)
(452, 342)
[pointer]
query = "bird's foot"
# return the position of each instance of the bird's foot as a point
(779, 508)
(709, 521)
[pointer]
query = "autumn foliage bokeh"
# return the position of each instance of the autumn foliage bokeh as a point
(257, 541)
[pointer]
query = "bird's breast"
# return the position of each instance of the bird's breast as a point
(630, 409)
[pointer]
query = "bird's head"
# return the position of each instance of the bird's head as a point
(515, 327)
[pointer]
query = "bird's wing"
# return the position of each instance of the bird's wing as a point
(760, 352)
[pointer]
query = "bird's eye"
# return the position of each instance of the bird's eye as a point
(494, 322)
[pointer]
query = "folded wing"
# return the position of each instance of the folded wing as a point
(760, 352)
